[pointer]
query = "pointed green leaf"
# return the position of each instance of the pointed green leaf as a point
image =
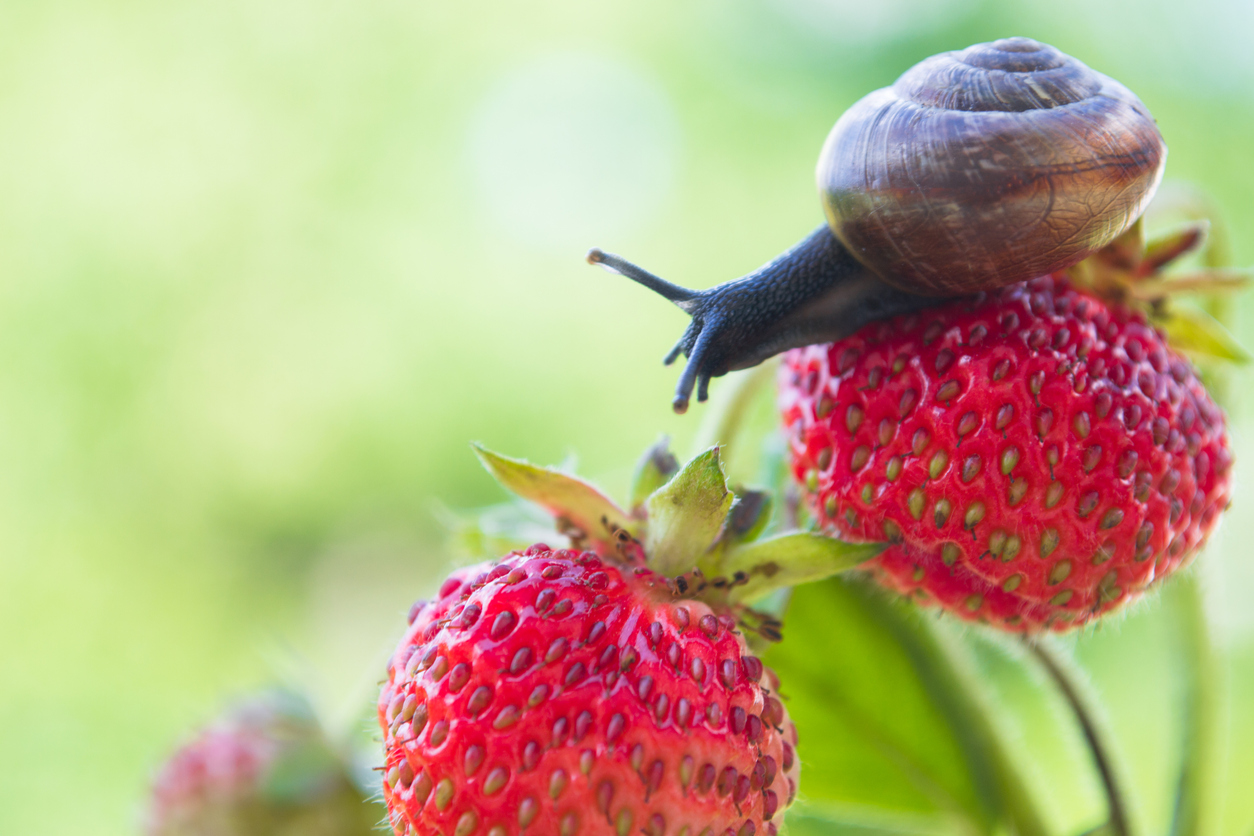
(791, 559)
(655, 468)
(686, 515)
(571, 500)
(1195, 331)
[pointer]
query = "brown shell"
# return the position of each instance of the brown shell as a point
(989, 166)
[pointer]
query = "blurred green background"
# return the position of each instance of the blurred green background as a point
(266, 267)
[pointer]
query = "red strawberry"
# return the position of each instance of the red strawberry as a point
(562, 692)
(263, 769)
(554, 693)
(1036, 457)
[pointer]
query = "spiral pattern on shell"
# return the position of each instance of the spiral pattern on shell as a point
(984, 167)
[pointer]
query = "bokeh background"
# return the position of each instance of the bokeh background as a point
(267, 267)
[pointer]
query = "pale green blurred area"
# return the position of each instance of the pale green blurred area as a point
(267, 267)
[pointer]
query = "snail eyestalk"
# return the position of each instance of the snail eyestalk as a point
(673, 292)
(685, 300)
(813, 293)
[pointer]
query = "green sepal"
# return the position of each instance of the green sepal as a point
(692, 522)
(1132, 270)
(1171, 244)
(1207, 281)
(580, 508)
(1197, 332)
(789, 560)
(655, 469)
(750, 514)
(686, 515)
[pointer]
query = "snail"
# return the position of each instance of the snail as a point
(976, 169)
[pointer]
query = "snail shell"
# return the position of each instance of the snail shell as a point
(988, 166)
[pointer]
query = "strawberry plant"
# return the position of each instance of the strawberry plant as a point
(608, 690)
(1032, 459)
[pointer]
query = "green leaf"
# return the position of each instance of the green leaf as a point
(791, 559)
(655, 468)
(811, 820)
(686, 515)
(1208, 281)
(892, 715)
(1197, 332)
(574, 502)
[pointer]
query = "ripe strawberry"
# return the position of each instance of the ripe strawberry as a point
(554, 693)
(609, 688)
(264, 769)
(1036, 457)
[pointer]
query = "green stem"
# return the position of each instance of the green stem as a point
(1197, 798)
(1069, 680)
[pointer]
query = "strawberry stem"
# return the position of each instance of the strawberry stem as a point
(1070, 683)
(1197, 798)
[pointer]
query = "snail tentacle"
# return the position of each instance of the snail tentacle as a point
(678, 348)
(681, 296)
(813, 293)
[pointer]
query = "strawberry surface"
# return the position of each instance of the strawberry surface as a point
(554, 693)
(1035, 456)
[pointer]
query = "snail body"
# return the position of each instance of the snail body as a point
(976, 169)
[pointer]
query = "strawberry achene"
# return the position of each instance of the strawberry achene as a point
(1035, 456)
(556, 693)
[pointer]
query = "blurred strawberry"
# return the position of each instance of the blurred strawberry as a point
(264, 769)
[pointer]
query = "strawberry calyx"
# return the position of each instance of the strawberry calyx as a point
(1133, 271)
(685, 524)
